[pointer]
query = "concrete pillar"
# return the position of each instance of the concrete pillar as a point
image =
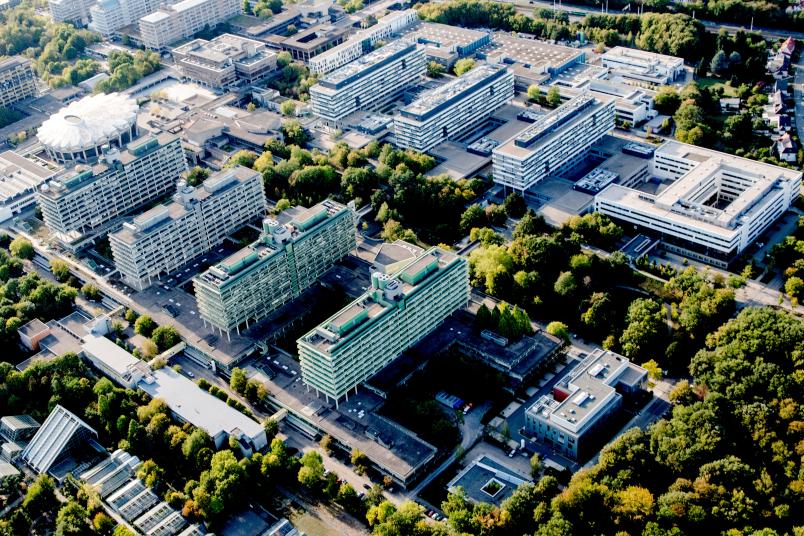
(238, 329)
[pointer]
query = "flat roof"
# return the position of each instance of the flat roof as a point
(372, 61)
(114, 357)
(196, 406)
(532, 53)
(475, 477)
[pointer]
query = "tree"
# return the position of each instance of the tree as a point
(558, 329)
(463, 66)
(667, 100)
(220, 487)
(91, 292)
(515, 205)
(565, 285)
(271, 428)
(535, 465)
(360, 461)
(435, 69)
(103, 524)
(193, 444)
(553, 97)
(60, 270)
(294, 133)
(655, 372)
(165, 337)
(71, 520)
(719, 64)
(21, 248)
(288, 108)
(144, 325)
(326, 444)
(238, 381)
(794, 286)
(472, 217)
(534, 93)
(40, 497)
(312, 469)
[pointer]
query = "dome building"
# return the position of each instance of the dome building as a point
(77, 132)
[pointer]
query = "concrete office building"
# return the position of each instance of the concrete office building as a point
(444, 43)
(715, 206)
(108, 16)
(363, 41)
(453, 109)
(394, 314)
(642, 68)
(170, 23)
(532, 61)
(169, 236)
(289, 257)
(76, 11)
(306, 44)
(19, 180)
(571, 418)
(80, 203)
(555, 141)
(17, 80)
(368, 82)
(228, 61)
(79, 131)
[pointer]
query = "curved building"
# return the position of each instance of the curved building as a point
(77, 132)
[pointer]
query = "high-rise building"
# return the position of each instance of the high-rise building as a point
(170, 23)
(553, 142)
(363, 41)
(17, 80)
(368, 82)
(166, 237)
(80, 203)
(290, 256)
(394, 314)
(108, 16)
(70, 10)
(453, 109)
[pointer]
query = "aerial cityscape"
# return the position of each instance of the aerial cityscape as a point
(402, 268)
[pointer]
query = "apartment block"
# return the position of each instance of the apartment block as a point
(714, 204)
(228, 61)
(17, 80)
(169, 236)
(368, 82)
(292, 253)
(70, 10)
(453, 109)
(395, 313)
(642, 68)
(170, 23)
(80, 203)
(108, 16)
(571, 418)
(555, 141)
(363, 41)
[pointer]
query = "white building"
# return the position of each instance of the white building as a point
(108, 16)
(19, 180)
(582, 403)
(170, 23)
(555, 141)
(70, 10)
(715, 206)
(82, 202)
(368, 82)
(639, 67)
(453, 109)
(363, 41)
(113, 361)
(169, 236)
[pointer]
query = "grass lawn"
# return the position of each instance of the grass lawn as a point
(716, 83)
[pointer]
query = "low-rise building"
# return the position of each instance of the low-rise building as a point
(444, 43)
(17, 80)
(293, 252)
(532, 61)
(169, 236)
(570, 419)
(394, 314)
(554, 142)
(313, 41)
(62, 433)
(453, 109)
(714, 207)
(20, 178)
(485, 481)
(642, 68)
(228, 61)
(368, 82)
(17, 428)
(172, 22)
(113, 361)
(82, 202)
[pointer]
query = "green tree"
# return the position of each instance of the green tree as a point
(515, 205)
(719, 64)
(165, 337)
(60, 270)
(435, 69)
(40, 497)
(534, 93)
(21, 248)
(312, 469)
(473, 216)
(553, 97)
(238, 381)
(667, 100)
(288, 108)
(91, 292)
(558, 329)
(360, 461)
(72, 520)
(144, 326)
(463, 66)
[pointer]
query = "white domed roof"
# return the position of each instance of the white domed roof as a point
(89, 122)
